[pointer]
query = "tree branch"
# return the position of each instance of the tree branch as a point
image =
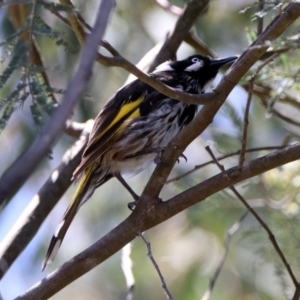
(262, 224)
(247, 109)
(161, 277)
(41, 204)
(207, 113)
(119, 61)
(15, 176)
(183, 25)
(197, 167)
(149, 214)
(165, 4)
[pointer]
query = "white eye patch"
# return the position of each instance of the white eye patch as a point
(197, 65)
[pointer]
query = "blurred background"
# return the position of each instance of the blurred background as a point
(187, 247)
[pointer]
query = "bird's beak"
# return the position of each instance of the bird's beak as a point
(218, 63)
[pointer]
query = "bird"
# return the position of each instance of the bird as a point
(134, 123)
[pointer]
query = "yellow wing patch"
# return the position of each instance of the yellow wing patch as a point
(125, 109)
(82, 183)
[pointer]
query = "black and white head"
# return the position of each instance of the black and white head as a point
(199, 71)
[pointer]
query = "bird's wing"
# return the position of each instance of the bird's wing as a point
(127, 104)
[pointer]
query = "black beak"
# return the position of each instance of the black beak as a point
(218, 63)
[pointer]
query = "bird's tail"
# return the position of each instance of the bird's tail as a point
(83, 192)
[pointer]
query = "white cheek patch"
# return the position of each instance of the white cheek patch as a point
(195, 66)
(164, 67)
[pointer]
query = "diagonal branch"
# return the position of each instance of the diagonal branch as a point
(207, 113)
(29, 160)
(41, 204)
(262, 224)
(197, 167)
(193, 9)
(149, 215)
(181, 31)
(119, 61)
(166, 5)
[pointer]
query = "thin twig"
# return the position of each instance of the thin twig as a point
(245, 127)
(260, 20)
(119, 61)
(183, 24)
(60, 17)
(280, 115)
(296, 294)
(231, 231)
(166, 5)
(264, 93)
(261, 222)
(197, 167)
(126, 264)
(150, 255)
(247, 109)
(75, 24)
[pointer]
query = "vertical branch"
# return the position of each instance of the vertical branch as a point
(246, 115)
(245, 129)
(260, 20)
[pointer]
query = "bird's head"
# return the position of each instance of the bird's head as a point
(199, 70)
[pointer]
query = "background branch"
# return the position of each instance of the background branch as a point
(126, 264)
(230, 232)
(262, 224)
(197, 167)
(41, 204)
(150, 255)
(192, 11)
(15, 176)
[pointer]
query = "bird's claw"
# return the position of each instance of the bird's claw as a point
(132, 205)
(181, 156)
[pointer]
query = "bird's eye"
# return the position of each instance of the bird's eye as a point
(195, 59)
